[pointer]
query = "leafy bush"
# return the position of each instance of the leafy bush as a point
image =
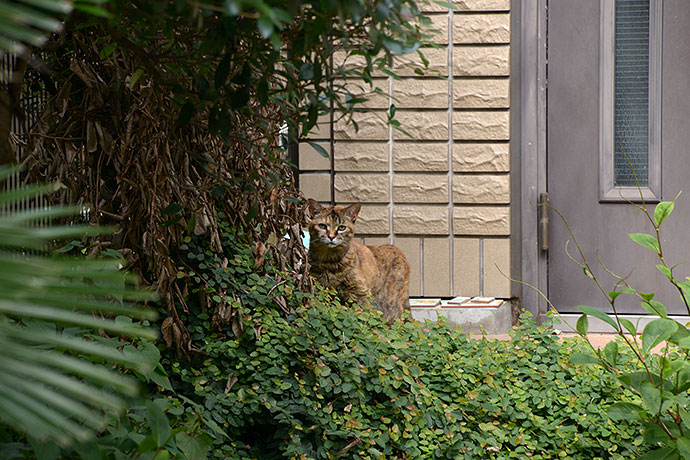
(658, 382)
(294, 375)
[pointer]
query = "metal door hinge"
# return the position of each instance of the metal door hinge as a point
(544, 221)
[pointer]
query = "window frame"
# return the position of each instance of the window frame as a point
(608, 192)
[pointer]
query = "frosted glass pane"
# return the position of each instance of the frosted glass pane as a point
(631, 94)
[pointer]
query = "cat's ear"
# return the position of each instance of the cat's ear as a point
(314, 207)
(352, 211)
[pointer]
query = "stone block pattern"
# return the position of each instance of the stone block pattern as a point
(371, 126)
(421, 94)
(492, 125)
(420, 188)
(361, 156)
(481, 61)
(365, 188)
(373, 220)
(420, 220)
(481, 189)
(481, 94)
(406, 65)
(419, 156)
(431, 125)
(444, 195)
(376, 94)
(311, 160)
(481, 220)
(475, 157)
(481, 28)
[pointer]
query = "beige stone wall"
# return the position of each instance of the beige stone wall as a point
(444, 196)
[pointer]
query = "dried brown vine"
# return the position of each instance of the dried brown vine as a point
(116, 148)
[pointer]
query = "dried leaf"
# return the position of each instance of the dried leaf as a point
(167, 331)
(91, 139)
(232, 380)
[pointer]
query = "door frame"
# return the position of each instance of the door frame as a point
(532, 76)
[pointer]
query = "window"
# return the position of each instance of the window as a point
(630, 124)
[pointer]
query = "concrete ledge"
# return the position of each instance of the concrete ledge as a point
(471, 320)
(598, 326)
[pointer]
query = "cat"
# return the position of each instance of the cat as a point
(354, 269)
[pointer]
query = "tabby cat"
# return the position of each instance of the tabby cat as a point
(354, 269)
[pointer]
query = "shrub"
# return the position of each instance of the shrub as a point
(294, 375)
(658, 383)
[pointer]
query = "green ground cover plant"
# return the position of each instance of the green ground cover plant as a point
(292, 375)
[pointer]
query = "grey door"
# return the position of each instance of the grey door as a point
(597, 87)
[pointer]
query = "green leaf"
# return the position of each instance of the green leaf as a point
(262, 91)
(614, 294)
(624, 411)
(657, 331)
(162, 454)
(647, 297)
(238, 99)
(611, 352)
(172, 209)
(93, 10)
(582, 325)
(651, 397)
(655, 308)
(684, 343)
(186, 113)
(319, 149)
(306, 71)
(194, 447)
(645, 240)
(683, 444)
(591, 311)
(685, 416)
(393, 46)
(265, 26)
(448, 5)
(222, 72)
(158, 423)
(629, 326)
(584, 358)
(664, 453)
(662, 211)
(136, 75)
(665, 270)
(390, 73)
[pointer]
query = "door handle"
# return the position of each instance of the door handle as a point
(543, 221)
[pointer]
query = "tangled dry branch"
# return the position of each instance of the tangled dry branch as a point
(117, 149)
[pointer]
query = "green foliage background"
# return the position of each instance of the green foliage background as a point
(304, 376)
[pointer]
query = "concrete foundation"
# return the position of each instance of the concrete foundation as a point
(472, 320)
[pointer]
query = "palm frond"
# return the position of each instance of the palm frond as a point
(55, 382)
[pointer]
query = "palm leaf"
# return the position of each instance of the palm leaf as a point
(55, 383)
(29, 22)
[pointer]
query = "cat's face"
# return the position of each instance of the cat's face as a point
(332, 226)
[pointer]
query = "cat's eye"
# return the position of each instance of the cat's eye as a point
(341, 228)
(323, 226)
